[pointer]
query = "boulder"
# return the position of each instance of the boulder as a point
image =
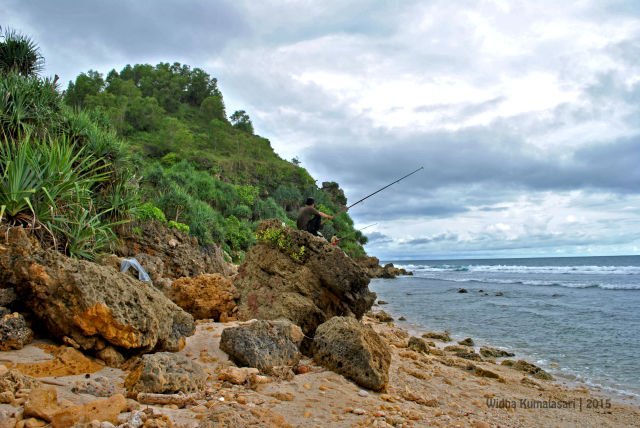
(263, 344)
(348, 347)
(381, 316)
(207, 296)
(372, 267)
(443, 336)
(417, 344)
(102, 410)
(233, 415)
(42, 403)
(466, 342)
(170, 253)
(292, 274)
(91, 305)
(165, 373)
(489, 352)
(14, 332)
(528, 368)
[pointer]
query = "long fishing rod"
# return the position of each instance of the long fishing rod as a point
(388, 185)
(359, 230)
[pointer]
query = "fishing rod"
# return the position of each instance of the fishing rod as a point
(380, 190)
(359, 230)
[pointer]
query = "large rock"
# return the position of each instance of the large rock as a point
(372, 267)
(291, 274)
(348, 347)
(263, 344)
(169, 253)
(102, 410)
(205, 296)
(165, 373)
(91, 305)
(14, 332)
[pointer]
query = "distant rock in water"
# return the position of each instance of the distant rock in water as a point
(462, 290)
(292, 274)
(371, 265)
(88, 305)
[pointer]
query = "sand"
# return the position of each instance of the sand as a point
(424, 390)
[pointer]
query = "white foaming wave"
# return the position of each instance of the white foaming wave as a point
(583, 270)
(604, 286)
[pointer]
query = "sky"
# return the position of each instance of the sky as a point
(524, 114)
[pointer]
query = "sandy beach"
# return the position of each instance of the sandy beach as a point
(425, 389)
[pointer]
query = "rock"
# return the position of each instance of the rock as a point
(291, 274)
(98, 386)
(462, 290)
(42, 403)
(14, 381)
(237, 376)
(372, 267)
(353, 350)
(263, 344)
(7, 397)
(382, 302)
(165, 373)
(528, 368)
(489, 352)
(92, 305)
(102, 410)
(231, 415)
(206, 296)
(499, 293)
(466, 342)
(179, 254)
(111, 356)
(418, 345)
(382, 316)
(7, 296)
(444, 336)
(14, 332)
(402, 319)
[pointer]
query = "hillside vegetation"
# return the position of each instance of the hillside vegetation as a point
(148, 142)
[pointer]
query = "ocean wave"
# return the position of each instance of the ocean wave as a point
(549, 283)
(583, 270)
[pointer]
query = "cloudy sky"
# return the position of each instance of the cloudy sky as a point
(524, 114)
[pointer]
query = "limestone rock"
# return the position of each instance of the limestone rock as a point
(291, 274)
(98, 386)
(12, 380)
(443, 336)
(353, 350)
(7, 296)
(101, 410)
(417, 344)
(92, 305)
(528, 368)
(231, 415)
(372, 267)
(179, 254)
(165, 373)
(42, 403)
(14, 332)
(263, 344)
(207, 296)
(237, 375)
(466, 342)
(382, 316)
(489, 352)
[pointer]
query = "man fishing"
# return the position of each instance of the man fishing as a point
(310, 219)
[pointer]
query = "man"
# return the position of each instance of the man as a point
(310, 219)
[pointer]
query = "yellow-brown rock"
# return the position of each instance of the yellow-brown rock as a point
(102, 410)
(42, 403)
(208, 296)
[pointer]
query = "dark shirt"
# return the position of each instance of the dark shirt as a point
(305, 214)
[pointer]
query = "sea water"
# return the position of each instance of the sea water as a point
(578, 318)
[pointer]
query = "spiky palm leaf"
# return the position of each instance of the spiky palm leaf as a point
(19, 54)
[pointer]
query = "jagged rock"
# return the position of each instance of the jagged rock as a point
(382, 316)
(165, 373)
(372, 267)
(179, 253)
(263, 344)
(291, 274)
(12, 380)
(14, 332)
(101, 410)
(466, 342)
(418, 345)
(90, 304)
(489, 352)
(348, 347)
(208, 296)
(528, 368)
(7, 296)
(444, 336)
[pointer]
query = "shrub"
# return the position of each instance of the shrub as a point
(148, 211)
(179, 226)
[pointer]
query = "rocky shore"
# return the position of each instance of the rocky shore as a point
(288, 340)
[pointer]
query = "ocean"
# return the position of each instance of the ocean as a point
(578, 317)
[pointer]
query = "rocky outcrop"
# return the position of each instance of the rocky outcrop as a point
(291, 274)
(489, 352)
(263, 344)
(372, 267)
(208, 296)
(165, 373)
(530, 369)
(88, 305)
(169, 253)
(348, 347)
(14, 332)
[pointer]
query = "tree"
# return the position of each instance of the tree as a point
(240, 120)
(19, 54)
(86, 84)
(212, 107)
